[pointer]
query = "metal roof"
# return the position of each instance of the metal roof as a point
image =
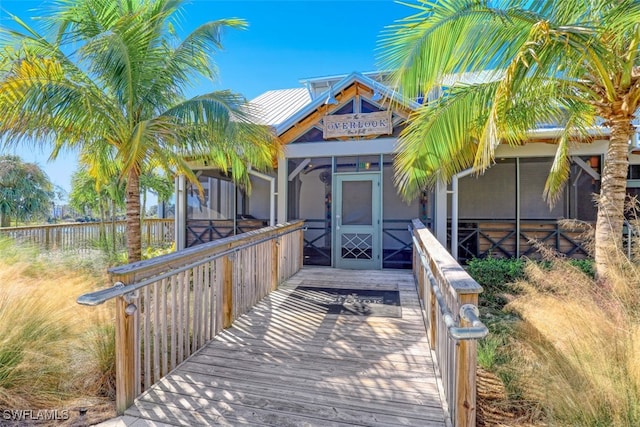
(276, 106)
(472, 78)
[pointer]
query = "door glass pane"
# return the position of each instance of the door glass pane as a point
(356, 202)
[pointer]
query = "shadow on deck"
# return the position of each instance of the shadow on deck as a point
(287, 362)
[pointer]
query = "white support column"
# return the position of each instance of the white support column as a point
(440, 220)
(518, 216)
(180, 222)
(454, 217)
(282, 190)
(272, 194)
(455, 212)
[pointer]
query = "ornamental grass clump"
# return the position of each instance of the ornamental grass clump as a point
(578, 344)
(46, 338)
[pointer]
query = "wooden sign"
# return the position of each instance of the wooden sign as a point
(359, 124)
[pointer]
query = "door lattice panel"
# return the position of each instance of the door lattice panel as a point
(357, 246)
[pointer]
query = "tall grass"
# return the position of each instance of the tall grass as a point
(45, 337)
(579, 345)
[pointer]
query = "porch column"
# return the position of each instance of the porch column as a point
(455, 211)
(180, 221)
(440, 220)
(282, 190)
(518, 216)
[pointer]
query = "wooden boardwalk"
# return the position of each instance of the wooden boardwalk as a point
(289, 363)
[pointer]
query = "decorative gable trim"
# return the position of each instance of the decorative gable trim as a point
(354, 87)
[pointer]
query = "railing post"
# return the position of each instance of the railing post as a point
(127, 360)
(465, 410)
(301, 249)
(227, 290)
(274, 263)
(432, 316)
(148, 226)
(47, 238)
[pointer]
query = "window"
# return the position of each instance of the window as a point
(221, 199)
(312, 135)
(367, 107)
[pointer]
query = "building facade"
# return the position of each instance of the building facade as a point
(336, 173)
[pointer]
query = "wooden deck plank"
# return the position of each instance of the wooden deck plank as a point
(291, 364)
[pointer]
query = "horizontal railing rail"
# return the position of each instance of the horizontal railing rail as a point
(170, 306)
(84, 236)
(449, 298)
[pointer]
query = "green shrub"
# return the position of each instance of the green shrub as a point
(496, 276)
(496, 272)
(585, 265)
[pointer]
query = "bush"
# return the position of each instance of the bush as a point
(496, 276)
(585, 265)
(496, 272)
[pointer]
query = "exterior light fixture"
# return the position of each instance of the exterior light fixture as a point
(377, 96)
(331, 100)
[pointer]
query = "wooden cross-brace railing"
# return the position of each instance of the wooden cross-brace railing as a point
(170, 306)
(449, 298)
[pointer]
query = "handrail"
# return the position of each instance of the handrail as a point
(143, 269)
(449, 299)
(168, 307)
(79, 224)
(121, 289)
(468, 312)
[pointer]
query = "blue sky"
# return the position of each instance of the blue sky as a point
(286, 41)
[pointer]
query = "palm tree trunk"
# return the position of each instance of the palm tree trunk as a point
(5, 220)
(610, 219)
(134, 234)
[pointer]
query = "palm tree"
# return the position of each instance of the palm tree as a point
(573, 62)
(25, 190)
(112, 83)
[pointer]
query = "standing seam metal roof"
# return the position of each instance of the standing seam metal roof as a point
(276, 106)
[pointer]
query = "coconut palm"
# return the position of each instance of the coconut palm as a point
(111, 83)
(572, 62)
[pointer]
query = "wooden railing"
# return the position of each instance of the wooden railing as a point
(201, 231)
(449, 298)
(484, 238)
(170, 306)
(83, 236)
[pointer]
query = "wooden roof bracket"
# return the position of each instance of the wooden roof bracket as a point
(586, 167)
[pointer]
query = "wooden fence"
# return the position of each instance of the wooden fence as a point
(449, 298)
(170, 306)
(83, 236)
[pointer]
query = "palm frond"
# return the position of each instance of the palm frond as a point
(39, 101)
(444, 38)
